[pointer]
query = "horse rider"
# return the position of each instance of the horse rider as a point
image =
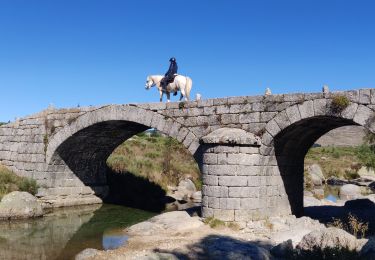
(169, 76)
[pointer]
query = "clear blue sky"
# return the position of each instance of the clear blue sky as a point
(89, 52)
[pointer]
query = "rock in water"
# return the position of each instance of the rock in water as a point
(86, 254)
(19, 205)
(174, 222)
(316, 174)
(329, 237)
(349, 192)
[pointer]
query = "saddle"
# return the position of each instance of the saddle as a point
(167, 80)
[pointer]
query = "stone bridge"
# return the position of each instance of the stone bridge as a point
(250, 149)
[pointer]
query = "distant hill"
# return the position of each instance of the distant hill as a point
(343, 136)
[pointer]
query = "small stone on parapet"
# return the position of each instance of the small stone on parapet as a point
(198, 96)
(267, 92)
(325, 89)
(231, 136)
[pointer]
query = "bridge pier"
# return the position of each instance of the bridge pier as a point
(239, 183)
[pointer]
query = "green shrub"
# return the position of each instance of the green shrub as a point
(339, 103)
(11, 182)
(366, 154)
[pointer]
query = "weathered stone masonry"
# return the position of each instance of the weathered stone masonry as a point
(65, 150)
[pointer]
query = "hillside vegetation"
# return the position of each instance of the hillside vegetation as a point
(342, 162)
(11, 182)
(162, 160)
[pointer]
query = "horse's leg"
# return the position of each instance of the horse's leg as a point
(168, 97)
(183, 94)
(161, 95)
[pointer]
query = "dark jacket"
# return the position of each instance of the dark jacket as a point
(172, 69)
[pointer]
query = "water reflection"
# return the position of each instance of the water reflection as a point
(63, 233)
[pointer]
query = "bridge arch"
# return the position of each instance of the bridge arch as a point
(292, 132)
(76, 155)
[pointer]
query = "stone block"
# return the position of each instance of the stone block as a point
(244, 159)
(207, 212)
(245, 170)
(253, 181)
(222, 158)
(243, 192)
(225, 149)
(365, 96)
(267, 116)
(230, 203)
(214, 203)
(209, 110)
(215, 191)
(249, 150)
(249, 203)
(210, 158)
(222, 169)
(211, 180)
(293, 114)
(223, 109)
(320, 107)
(273, 128)
(267, 139)
(226, 119)
(233, 181)
(282, 120)
(220, 101)
(364, 115)
(205, 103)
(250, 118)
(224, 215)
(205, 201)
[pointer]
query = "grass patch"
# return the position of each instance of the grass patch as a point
(214, 222)
(352, 224)
(11, 182)
(162, 160)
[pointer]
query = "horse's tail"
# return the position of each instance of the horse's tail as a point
(189, 85)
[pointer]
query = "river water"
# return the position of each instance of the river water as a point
(62, 233)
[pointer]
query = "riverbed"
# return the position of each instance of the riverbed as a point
(62, 233)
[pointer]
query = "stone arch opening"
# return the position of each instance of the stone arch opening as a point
(291, 145)
(77, 154)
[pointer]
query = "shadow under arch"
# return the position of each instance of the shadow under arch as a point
(291, 145)
(84, 154)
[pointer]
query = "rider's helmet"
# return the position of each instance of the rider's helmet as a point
(173, 59)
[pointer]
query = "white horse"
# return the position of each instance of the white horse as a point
(182, 83)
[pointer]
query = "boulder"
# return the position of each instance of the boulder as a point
(184, 190)
(329, 237)
(364, 172)
(316, 175)
(224, 247)
(290, 227)
(197, 196)
(319, 193)
(158, 256)
(170, 222)
(282, 249)
(349, 192)
(88, 253)
(336, 181)
(20, 205)
(311, 202)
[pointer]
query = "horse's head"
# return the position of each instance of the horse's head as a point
(149, 83)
